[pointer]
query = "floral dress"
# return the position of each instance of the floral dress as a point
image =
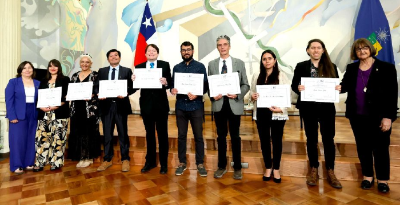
(50, 140)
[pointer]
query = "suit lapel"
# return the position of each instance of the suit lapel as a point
(234, 66)
(373, 75)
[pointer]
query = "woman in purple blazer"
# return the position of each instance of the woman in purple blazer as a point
(21, 97)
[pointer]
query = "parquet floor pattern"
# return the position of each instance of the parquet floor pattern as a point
(72, 185)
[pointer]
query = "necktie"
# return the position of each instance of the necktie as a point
(224, 68)
(151, 65)
(113, 74)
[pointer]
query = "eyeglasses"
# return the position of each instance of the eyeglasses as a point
(365, 48)
(186, 50)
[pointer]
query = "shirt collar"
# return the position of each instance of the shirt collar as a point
(116, 68)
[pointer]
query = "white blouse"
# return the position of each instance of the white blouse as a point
(30, 94)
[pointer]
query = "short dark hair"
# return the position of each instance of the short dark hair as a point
(361, 42)
(153, 46)
(113, 50)
(22, 66)
(187, 43)
(57, 64)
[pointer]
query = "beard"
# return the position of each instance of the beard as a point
(188, 58)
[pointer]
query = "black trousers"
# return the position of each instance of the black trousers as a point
(324, 114)
(152, 123)
(196, 121)
(267, 129)
(109, 120)
(222, 118)
(372, 146)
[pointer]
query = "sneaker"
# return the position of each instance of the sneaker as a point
(80, 163)
(104, 166)
(219, 173)
(237, 174)
(86, 163)
(201, 170)
(181, 168)
(312, 177)
(125, 166)
(332, 180)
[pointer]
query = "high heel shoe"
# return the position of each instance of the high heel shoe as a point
(37, 169)
(276, 180)
(267, 178)
(19, 171)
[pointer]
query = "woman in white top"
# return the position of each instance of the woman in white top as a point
(270, 121)
(21, 97)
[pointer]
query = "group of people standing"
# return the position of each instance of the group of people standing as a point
(371, 107)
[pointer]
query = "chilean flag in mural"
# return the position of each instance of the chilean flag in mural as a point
(147, 35)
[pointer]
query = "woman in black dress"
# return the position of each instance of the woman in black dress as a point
(84, 138)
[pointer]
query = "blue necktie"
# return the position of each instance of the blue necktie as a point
(113, 74)
(224, 68)
(151, 65)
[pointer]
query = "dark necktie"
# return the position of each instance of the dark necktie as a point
(113, 74)
(151, 65)
(224, 68)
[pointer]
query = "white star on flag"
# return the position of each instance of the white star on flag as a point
(147, 22)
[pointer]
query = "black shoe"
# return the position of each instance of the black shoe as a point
(37, 169)
(54, 168)
(365, 184)
(383, 187)
(277, 180)
(147, 168)
(266, 178)
(163, 170)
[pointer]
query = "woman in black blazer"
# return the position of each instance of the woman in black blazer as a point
(52, 122)
(371, 107)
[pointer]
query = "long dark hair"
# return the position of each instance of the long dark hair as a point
(273, 78)
(57, 64)
(22, 66)
(325, 67)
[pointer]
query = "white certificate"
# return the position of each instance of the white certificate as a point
(189, 83)
(147, 78)
(273, 95)
(224, 84)
(112, 88)
(80, 91)
(49, 97)
(320, 90)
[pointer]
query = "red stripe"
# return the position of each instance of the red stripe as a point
(140, 56)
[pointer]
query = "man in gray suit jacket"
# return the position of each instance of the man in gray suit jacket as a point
(228, 108)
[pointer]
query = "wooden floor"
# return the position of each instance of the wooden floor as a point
(72, 185)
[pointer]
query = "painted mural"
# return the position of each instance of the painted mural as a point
(64, 29)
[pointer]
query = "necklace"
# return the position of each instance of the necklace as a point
(362, 78)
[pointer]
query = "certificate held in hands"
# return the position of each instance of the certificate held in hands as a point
(112, 88)
(80, 91)
(224, 84)
(273, 95)
(189, 83)
(320, 90)
(49, 97)
(148, 78)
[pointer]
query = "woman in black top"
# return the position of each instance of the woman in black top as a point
(52, 122)
(84, 136)
(371, 107)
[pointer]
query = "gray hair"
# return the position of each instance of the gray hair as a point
(87, 56)
(224, 37)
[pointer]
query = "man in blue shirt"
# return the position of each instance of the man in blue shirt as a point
(189, 108)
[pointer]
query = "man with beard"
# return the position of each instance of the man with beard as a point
(189, 108)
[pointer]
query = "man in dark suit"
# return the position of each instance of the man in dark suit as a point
(115, 111)
(228, 108)
(154, 108)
